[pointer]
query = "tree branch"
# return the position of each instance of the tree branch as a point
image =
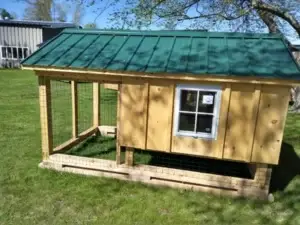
(276, 10)
(225, 17)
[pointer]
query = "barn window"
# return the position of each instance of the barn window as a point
(197, 111)
(8, 52)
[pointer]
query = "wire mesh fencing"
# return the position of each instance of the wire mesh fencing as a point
(104, 147)
(85, 106)
(108, 106)
(61, 105)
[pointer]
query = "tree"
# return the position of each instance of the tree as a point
(60, 12)
(236, 15)
(78, 12)
(38, 10)
(90, 26)
(5, 15)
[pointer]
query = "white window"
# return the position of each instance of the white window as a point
(197, 111)
(9, 52)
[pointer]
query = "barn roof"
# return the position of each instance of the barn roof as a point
(175, 52)
(41, 24)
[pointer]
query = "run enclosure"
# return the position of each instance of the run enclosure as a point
(165, 109)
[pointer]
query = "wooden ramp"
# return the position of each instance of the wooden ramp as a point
(257, 188)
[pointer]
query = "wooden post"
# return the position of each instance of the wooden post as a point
(118, 147)
(129, 156)
(45, 116)
(263, 175)
(74, 109)
(96, 104)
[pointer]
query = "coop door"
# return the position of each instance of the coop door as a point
(159, 122)
(241, 121)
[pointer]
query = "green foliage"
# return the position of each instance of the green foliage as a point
(39, 10)
(4, 14)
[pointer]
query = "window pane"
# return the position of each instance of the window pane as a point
(15, 53)
(204, 123)
(25, 52)
(188, 100)
(20, 51)
(206, 101)
(9, 53)
(186, 122)
(4, 55)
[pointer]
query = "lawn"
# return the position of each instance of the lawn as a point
(29, 195)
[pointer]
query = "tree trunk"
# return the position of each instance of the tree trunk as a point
(296, 105)
(269, 20)
(276, 10)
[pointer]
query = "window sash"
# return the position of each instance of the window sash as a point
(11, 56)
(215, 114)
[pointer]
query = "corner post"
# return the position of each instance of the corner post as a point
(45, 116)
(74, 109)
(118, 147)
(96, 104)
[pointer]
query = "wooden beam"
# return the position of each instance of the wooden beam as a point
(96, 104)
(74, 141)
(218, 184)
(118, 147)
(129, 156)
(45, 116)
(74, 109)
(97, 75)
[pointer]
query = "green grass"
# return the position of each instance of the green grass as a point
(29, 195)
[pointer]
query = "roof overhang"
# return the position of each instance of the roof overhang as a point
(118, 77)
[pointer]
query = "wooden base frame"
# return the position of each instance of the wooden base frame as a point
(257, 188)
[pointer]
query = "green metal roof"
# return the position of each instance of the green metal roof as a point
(181, 52)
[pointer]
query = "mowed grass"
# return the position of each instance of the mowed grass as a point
(29, 195)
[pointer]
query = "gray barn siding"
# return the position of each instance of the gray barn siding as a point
(21, 37)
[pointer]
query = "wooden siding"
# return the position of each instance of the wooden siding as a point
(270, 124)
(133, 114)
(241, 122)
(160, 110)
(250, 129)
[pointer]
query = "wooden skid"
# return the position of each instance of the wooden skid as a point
(217, 184)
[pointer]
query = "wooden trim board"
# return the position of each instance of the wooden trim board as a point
(217, 184)
(94, 75)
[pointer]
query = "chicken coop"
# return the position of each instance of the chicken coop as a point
(191, 101)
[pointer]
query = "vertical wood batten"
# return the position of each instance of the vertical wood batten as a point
(74, 109)
(96, 104)
(45, 116)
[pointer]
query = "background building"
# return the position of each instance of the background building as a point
(18, 39)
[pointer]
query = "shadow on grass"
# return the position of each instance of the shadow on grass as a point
(192, 163)
(95, 146)
(287, 169)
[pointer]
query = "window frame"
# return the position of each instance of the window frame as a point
(216, 111)
(11, 47)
